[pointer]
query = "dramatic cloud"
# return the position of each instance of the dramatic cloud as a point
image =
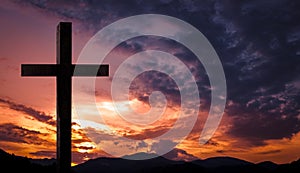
(40, 116)
(44, 153)
(262, 68)
(13, 133)
(148, 132)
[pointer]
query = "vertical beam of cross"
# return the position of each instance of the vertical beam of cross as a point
(64, 70)
(64, 96)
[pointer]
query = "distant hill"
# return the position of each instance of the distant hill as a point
(221, 161)
(13, 164)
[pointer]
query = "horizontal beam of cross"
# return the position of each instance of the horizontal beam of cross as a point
(86, 70)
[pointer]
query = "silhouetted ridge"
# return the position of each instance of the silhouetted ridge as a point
(162, 165)
(4, 155)
(112, 165)
(268, 165)
(158, 164)
(221, 161)
(14, 164)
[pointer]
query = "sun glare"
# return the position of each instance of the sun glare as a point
(85, 147)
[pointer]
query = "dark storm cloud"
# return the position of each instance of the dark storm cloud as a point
(40, 116)
(96, 14)
(13, 133)
(261, 67)
(257, 41)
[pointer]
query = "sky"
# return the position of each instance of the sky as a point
(257, 42)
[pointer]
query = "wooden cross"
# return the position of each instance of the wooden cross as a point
(63, 70)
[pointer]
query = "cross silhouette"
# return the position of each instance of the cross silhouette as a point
(63, 70)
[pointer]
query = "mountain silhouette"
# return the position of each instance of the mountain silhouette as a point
(162, 165)
(268, 165)
(13, 163)
(112, 165)
(221, 162)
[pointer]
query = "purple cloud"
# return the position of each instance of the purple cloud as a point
(37, 115)
(13, 133)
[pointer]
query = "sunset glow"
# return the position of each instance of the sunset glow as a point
(260, 58)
